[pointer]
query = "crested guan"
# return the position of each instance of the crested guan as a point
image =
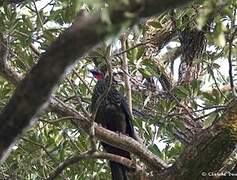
(113, 114)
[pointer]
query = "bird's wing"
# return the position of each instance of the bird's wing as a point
(130, 128)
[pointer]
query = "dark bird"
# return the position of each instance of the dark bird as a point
(113, 114)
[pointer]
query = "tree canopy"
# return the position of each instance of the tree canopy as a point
(175, 62)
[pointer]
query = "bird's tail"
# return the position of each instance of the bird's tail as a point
(119, 172)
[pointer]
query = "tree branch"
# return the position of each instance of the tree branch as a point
(206, 145)
(61, 109)
(5, 70)
(33, 92)
(94, 155)
(55, 106)
(230, 64)
(208, 150)
(128, 89)
(118, 140)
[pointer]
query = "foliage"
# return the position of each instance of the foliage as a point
(173, 80)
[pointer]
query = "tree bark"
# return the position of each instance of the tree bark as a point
(34, 90)
(208, 151)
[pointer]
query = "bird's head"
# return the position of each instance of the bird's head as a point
(97, 74)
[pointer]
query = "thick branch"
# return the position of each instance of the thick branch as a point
(80, 121)
(120, 141)
(206, 153)
(209, 150)
(33, 92)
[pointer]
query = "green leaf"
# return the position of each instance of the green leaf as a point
(155, 24)
(145, 73)
(132, 54)
(140, 52)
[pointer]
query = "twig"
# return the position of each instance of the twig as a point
(99, 101)
(134, 80)
(230, 64)
(181, 104)
(57, 120)
(131, 48)
(86, 113)
(166, 79)
(38, 15)
(50, 3)
(35, 50)
(5, 70)
(55, 99)
(216, 84)
(208, 114)
(4, 49)
(71, 140)
(83, 81)
(75, 97)
(92, 133)
(41, 146)
(94, 155)
(125, 68)
(102, 96)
